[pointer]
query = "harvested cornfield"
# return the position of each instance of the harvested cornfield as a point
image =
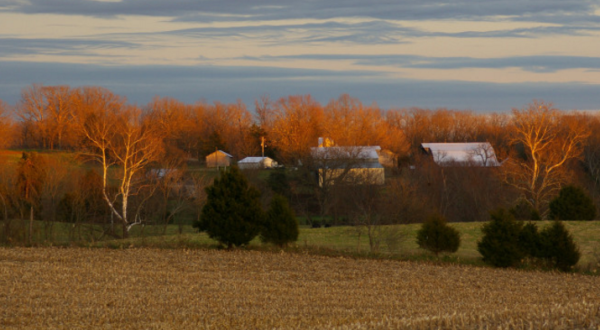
(54, 288)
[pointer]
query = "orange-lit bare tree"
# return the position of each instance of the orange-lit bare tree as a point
(124, 145)
(295, 126)
(549, 139)
(46, 112)
(6, 126)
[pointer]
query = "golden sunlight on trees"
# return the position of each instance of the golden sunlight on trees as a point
(7, 128)
(46, 112)
(349, 123)
(131, 149)
(121, 141)
(173, 119)
(547, 139)
(295, 126)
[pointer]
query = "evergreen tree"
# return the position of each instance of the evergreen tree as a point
(499, 245)
(523, 210)
(559, 248)
(572, 203)
(530, 240)
(280, 226)
(436, 236)
(279, 183)
(232, 214)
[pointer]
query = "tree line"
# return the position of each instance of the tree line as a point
(542, 149)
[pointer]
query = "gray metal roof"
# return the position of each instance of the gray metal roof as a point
(252, 160)
(353, 152)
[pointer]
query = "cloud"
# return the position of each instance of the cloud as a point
(265, 10)
(79, 47)
(191, 83)
(372, 32)
(527, 63)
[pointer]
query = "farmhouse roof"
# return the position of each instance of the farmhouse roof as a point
(251, 160)
(223, 152)
(351, 152)
(472, 153)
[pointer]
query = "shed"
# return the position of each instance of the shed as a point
(480, 154)
(256, 163)
(219, 158)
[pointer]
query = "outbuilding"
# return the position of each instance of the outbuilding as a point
(350, 165)
(256, 163)
(219, 158)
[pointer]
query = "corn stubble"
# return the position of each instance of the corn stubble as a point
(56, 288)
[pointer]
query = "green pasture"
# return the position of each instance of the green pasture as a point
(337, 240)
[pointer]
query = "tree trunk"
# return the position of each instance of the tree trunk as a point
(31, 226)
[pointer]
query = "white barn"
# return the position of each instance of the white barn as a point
(256, 163)
(353, 165)
(479, 154)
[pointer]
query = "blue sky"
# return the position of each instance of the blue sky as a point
(464, 54)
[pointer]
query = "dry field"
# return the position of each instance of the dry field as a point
(57, 288)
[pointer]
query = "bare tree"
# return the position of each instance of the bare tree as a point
(124, 146)
(591, 157)
(8, 195)
(46, 112)
(548, 140)
(56, 184)
(7, 131)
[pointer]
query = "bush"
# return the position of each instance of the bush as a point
(499, 245)
(280, 226)
(279, 183)
(232, 214)
(530, 241)
(436, 236)
(559, 248)
(523, 210)
(572, 203)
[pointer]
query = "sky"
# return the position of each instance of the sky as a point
(459, 54)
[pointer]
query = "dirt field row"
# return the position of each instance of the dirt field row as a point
(54, 288)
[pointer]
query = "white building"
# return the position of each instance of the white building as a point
(256, 163)
(219, 158)
(352, 165)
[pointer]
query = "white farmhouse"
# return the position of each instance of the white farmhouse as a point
(352, 165)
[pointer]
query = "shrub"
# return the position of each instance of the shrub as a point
(530, 240)
(279, 183)
(280, 226)
(437, 236)
(499, 245)
(232, 214)
(559, 248)
(523, 210)
(572, 203)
